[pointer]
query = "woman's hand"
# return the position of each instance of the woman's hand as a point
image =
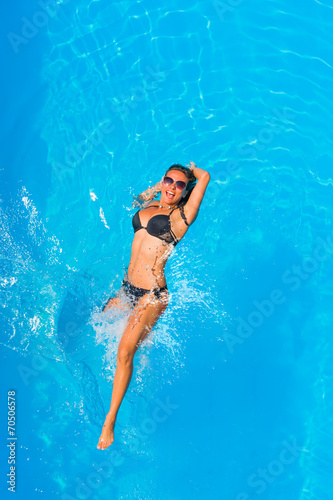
(197, 172)
(146, 196)
(192, 165)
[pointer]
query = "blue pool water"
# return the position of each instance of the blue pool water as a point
(231, 396)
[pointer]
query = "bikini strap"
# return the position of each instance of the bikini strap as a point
(181, 209)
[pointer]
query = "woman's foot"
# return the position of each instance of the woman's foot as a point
(107, 437)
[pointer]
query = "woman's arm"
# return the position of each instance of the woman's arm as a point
(147, 196)
(193, 203)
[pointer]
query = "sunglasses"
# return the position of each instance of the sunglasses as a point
(168, 181)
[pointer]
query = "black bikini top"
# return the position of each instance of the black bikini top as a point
(159, 225)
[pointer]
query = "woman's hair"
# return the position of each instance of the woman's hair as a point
(190, 183)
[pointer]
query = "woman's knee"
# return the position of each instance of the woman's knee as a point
(112, 302)
(125, 354)
(116, 303)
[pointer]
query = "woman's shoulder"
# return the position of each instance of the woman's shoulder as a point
(187, 214)
(182, 213)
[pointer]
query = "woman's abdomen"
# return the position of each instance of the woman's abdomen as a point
(146, 267)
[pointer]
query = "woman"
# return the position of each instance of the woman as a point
(158, 227)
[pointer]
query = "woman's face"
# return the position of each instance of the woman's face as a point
(170, 194)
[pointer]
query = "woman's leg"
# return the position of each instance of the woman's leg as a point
(140, 323)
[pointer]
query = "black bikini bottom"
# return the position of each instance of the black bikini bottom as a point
(134, 293)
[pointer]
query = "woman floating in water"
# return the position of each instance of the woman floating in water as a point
(158, 227)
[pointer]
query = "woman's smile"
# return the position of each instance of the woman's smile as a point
(170, 195)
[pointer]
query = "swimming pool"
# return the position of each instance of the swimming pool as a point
(230, 397)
